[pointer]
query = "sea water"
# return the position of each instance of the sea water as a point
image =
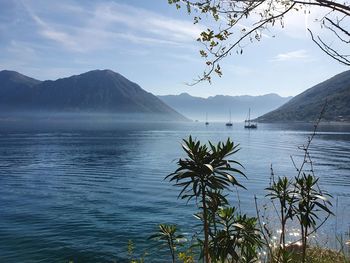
(81, 193)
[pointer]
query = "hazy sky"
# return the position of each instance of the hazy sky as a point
(152, 44)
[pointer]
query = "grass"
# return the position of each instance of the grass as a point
(320, 255)
(323, 255)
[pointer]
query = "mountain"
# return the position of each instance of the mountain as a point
(97, 91)
(218, 107)
(15, 87)
(308, 105)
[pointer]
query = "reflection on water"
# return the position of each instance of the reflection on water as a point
(81, 194)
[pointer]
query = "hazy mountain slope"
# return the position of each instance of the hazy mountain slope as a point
(15, 87)
(98, 91)
(218, 107)
(307, 105)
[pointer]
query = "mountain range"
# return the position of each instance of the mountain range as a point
(97, 91)
(107, 92)
(218, 107)
(335, 92)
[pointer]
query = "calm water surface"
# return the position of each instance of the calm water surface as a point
(81, 194)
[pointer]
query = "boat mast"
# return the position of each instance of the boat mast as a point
(249, 117)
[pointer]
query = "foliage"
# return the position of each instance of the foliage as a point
(187, 256)
(203, 175)
(238, 22)
(131, 250)
(299, 198)
(231, 236)
(237, 239)
(167, 234)
(309, 200)
(280, 191)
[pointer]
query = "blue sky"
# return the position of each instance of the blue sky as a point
(152, 44)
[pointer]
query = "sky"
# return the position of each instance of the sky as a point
(153, 44)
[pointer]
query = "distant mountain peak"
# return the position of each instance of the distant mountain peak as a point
(5, 71)
(217, 107)
(9, 77)
(184, 94)
(102, 91)
(98, 73)
(101, 71)
(12, 74)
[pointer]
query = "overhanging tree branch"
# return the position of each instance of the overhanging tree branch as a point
(330, 51)
(214, 63)
(257, 16)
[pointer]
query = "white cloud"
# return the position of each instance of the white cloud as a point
(146, 21)
(292, 56)
(103, 25)
(48, 31)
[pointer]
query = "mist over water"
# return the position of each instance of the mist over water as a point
(81, 189)
(89, 121)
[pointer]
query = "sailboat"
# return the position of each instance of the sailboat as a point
(230, 122)
(206, 119)
(248, 124)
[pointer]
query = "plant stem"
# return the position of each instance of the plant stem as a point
(303, 243)
(171, 247)
(205, 222)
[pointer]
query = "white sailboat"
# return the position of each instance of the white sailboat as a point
(230, 122)
(248, 124)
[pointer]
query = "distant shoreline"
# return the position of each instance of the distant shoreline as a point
(309, 122)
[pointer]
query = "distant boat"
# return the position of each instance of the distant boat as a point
(248, 124)
(206, 119)
(230, 122)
